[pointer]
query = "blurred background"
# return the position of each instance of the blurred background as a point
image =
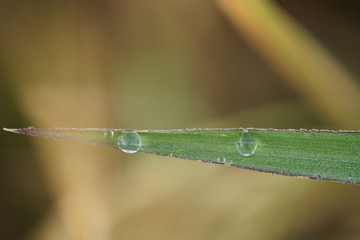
(162, 65)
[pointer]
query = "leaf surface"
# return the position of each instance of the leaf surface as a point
(318, 154)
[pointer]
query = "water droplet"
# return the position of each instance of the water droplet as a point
(109, 133)
(246, 144)
(129, 141)
(221, 159)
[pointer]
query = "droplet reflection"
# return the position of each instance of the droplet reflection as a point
(246, 144)
(129, 141)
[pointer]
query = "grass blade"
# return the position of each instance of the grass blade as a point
(317, 154)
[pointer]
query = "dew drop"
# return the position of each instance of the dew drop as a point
(129, 141)
(221, 159)
(109, 133)
(246, 144)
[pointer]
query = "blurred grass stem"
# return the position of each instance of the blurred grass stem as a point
(299, 58)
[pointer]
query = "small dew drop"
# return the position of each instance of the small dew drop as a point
(221, 159)
(129, 141)
(246, 144)
(109, 133)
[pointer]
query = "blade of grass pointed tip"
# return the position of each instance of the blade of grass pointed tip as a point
(10, 130)
(93, 136)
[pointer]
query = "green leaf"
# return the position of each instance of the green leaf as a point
(317, 154)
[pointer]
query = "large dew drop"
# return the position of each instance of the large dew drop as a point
(129, 141)
(246, 144)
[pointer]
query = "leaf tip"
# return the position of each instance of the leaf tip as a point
(14, 130)
(17, 130)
